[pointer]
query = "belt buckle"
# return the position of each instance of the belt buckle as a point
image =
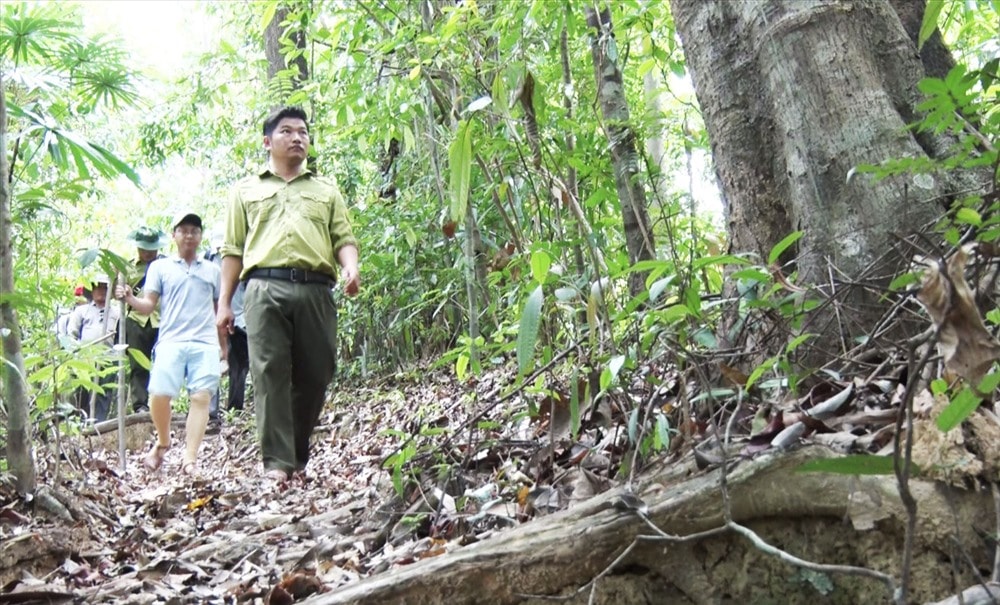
(296, 275)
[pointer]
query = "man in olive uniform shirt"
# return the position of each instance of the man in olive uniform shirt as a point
(141, 330)
(285, 227)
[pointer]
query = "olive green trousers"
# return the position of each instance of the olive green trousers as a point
(292, 340)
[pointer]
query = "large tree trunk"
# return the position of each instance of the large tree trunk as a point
(624, 153)
(934, 55)
(795, 95)
(276, 63)
(833, 519)
(20, 457)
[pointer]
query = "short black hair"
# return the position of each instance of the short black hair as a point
(289, 111)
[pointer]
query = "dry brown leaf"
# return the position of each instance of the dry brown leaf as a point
(966, 345)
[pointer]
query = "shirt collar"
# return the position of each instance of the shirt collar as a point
(266, 173)
(177, 259)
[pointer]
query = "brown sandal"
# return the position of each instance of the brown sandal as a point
(154, 458)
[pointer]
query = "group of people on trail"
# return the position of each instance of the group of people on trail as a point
(259, 301)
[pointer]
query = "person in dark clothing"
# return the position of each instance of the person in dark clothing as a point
(141, 331)
(238, 356)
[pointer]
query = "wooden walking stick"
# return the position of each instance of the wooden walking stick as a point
(121, 351)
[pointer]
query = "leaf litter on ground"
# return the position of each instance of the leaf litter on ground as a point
(477, 462)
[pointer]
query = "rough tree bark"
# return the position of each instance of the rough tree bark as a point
(622, 139)
(20, 457)
(795, 94)
(827, 518)
(276, 63)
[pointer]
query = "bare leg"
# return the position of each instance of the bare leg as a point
(197, 420)
(159, 409)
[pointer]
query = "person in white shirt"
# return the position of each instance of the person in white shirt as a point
(87, 326)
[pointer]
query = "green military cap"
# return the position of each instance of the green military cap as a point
(148, 238)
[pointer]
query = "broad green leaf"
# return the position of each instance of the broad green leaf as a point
(540, 263)
(633, 425)
(87, 257)
(460, 159)
(674, 313)
(657, 288)
(960, 408)
(661, 434)
(705, 338)
(757, 276)
(527, 332)
(646, 66)
(140, 358)
(783, 245)
(268, 15)
(929, 24)
(615, 365)
(968, 216)
(856, 464)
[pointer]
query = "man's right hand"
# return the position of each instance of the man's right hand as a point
(224, 318)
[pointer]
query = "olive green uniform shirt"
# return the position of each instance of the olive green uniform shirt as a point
(139, 269)
(298, 224)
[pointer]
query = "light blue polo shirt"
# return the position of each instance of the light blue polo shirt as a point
(187, 299)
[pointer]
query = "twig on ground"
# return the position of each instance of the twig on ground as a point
(996, 548)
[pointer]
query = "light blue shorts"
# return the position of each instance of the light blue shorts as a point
(176, 363)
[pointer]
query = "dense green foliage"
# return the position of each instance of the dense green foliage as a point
(479, 114)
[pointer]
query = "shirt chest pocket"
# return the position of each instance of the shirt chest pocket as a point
(261, 206)
(315, 207)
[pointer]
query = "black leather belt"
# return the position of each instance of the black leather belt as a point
(296, 276)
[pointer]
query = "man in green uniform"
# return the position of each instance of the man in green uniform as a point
(285, 229)
(141, 330)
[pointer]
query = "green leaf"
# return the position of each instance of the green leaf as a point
(527, 332)
(460, 159)
(633, 425)
(856, 464)
(797, 341)
(615, 365)
(968, 216)
(759, 371)
(87, 257)
(929, 24)
(960, 408)
(269, 10)
(140, 358)
(782, 246)
(904, 280)
(661, 436)
(658, 287)
(540, 264)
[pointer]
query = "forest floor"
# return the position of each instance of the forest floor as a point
(403, 468)
(99, 534)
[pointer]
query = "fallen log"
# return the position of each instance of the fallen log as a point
(108, 426)
(828, 518)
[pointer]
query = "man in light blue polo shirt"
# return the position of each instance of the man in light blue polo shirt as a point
(187, 350)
